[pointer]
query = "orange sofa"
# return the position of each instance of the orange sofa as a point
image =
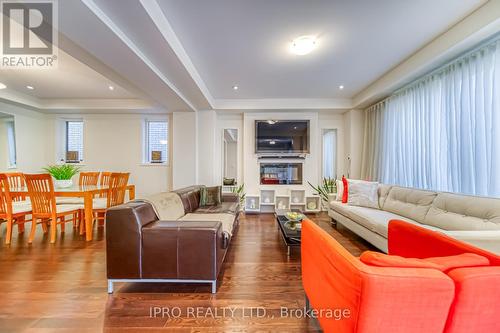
(390, 299)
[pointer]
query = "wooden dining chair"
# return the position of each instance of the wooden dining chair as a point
(84, 179)
(16, 180)
(44, 207)
(104, 181)
(10, 211)
(115, 195)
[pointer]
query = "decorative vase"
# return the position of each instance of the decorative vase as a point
(63, 183)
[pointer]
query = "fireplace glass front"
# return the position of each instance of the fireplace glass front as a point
(281, 173)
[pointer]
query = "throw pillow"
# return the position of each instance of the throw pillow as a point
(345, 191)
(210, 196)
(340, 190)
(363, 193)
(440, 263)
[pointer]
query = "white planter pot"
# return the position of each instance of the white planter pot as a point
(63, 183)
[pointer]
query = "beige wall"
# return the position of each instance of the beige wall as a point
(116, 143)
(354, 136)
(33, 138)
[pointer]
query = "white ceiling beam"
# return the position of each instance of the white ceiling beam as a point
(94, 8)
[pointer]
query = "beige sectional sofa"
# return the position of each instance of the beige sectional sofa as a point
(475, 220)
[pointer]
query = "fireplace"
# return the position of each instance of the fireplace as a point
(281, 173)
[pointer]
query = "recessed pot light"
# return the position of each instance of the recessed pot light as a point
(30, 87)
(2, 86)
(303, 45)
(111, 88)
(236, 87)
(341, 87)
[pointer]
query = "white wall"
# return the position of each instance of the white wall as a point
(206, 123)
(184, 149)
(33, 139)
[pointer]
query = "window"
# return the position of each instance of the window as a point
(74, 141)
(441, 132)
(11, 144)
(330, 153)
(156, 142)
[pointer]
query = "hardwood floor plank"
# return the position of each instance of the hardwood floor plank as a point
(62, 287)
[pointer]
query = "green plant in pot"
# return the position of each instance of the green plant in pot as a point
(327, 187)
(62, 174)
(240, 191)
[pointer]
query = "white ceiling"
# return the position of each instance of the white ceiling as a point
(178, 55)
(246, 42)
(70, 79)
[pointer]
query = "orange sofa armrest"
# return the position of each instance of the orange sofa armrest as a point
(411, 241)
(476, 307)
(406, 300)
(377, 299)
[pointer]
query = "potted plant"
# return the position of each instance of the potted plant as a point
(327, 187)
(62, 174)
(240, 191)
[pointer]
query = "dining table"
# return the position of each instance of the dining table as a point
(87, 192)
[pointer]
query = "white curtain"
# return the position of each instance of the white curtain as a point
(441, 132)
(330, 153)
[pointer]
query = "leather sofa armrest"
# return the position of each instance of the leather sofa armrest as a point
(124, 225)
(230, 197)
(192, 250)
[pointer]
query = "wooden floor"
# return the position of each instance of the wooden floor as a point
(62, 287)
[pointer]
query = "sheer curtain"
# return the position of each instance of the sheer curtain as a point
(441, 132)
(330, 153)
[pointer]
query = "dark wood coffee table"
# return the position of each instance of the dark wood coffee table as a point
(290, 230)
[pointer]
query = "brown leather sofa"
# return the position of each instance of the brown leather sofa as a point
(140, 247)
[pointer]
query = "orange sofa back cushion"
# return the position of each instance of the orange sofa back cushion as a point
(440, 263)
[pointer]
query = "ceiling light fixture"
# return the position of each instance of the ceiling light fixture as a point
(303, 45)
(272, 142)
(271, 122)
(341, 87)
(111, 88)
(235, 87)
(30, 87)
(2, 86)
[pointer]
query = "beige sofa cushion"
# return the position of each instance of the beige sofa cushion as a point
(167, 205)
(373, 219)
(226, 219)
(411, 203)
(383, 191)
(459, 212)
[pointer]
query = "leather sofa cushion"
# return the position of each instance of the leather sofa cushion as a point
(224, 207)
(410, 203)
(190, 197)
(226, 219)
(459, 212)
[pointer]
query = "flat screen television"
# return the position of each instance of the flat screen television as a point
(282, 136)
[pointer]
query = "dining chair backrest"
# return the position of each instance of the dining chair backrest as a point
(41, 193)
(5, 198)
(117, 188)
(16, 180)
(104, 181)
(88, 178)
